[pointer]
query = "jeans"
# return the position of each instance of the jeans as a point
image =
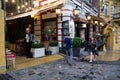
(69, 56)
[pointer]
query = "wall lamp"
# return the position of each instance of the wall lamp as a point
(88, 17)
(76, 11)
(96, 22)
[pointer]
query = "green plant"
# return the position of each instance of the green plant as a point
(54, 43)
(76, 42)
(37, 45)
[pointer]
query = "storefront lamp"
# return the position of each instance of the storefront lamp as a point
(88, 17)
(32, 15)
(58, 11)
(76, 11)
(6, 0)
(96, 22)
(101, 23)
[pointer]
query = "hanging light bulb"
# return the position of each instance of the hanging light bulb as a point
(26, 3)
(30, 8)
(13, 1)
(88, 17)
(18, 7)
(6, 0)
(11, 13)
(23, 6)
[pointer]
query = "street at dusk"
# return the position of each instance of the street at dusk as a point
(59, 39)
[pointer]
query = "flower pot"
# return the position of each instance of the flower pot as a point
(38, 52)
(54, 49)
(76, 52)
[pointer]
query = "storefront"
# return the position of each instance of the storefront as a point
(51, 26)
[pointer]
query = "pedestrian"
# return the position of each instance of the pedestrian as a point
(93, 49)
(68, 47)
(29, 39)
(84, 48)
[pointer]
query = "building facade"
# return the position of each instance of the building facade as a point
(49, 25)
(2, 39)
(110, 10)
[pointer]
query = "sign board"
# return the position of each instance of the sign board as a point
(44, 4)
(2, 43)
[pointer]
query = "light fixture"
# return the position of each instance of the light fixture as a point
(18, 11)
(23, 6)
(6, 0)
(11, 13)
(30, 8)
(13, 1)
(18, 7)
(101, 23)
(84, 25)
(96, 22)
(58, 11)
(88, 17)
(32, 15)
(113, 29)
(26, 3)
(76, 11)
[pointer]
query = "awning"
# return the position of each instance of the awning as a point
(97, 18)
(81, 18)
(22, 15)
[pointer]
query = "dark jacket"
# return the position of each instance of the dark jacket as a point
(85, 45)
(68, 42)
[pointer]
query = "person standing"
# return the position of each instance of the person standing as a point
(29, 38)
(93, 49)
(84, 48)
(68, 47)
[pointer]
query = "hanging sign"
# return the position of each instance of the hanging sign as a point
(47, 2)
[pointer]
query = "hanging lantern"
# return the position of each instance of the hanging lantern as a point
(76, 11)
(58, 11)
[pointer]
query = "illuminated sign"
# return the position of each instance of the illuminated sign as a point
(47, 2)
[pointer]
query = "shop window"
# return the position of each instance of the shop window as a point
(49, 31)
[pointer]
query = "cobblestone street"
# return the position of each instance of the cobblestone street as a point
(80, 70)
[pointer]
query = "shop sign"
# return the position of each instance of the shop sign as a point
(47, 2)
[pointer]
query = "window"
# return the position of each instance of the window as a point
(91, 1)
(113, 11)
(106, 10)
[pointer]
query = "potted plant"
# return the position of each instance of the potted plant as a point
(76, 46)
(37, 49)
(54, 47)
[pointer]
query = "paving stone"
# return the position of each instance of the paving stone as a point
(59, 70)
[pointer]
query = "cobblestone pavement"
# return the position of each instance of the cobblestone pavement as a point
(80, 70)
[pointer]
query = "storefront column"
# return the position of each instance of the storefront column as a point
(67, 13)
